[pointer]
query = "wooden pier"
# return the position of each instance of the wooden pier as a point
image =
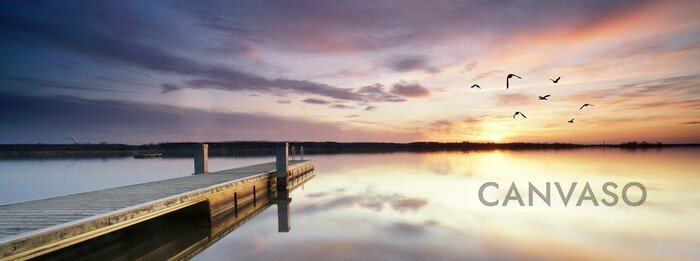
(34, 228)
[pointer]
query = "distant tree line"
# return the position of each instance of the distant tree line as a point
(253, 148)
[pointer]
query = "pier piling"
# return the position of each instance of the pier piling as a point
(201, 158)
(282, 151)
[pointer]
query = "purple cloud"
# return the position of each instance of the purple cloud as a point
(313, 26)
(409, 63)
(412, 90)
(341, 106)
(167, 87)
(45, 119)
(125, 51)
(376, 93)
(315, 101)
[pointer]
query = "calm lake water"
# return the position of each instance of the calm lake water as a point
(425, 206)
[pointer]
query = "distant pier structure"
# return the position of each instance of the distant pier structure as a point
(35, 228)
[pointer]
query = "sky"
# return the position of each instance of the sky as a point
(393, 71)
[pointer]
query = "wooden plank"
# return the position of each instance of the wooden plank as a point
(61, 221)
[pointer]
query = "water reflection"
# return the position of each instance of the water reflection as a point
(425, 206)
(181, 234)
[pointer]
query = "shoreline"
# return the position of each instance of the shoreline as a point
(262, 149)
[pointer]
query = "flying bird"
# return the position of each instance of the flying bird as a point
(544, 98)
(571, 121)
(519, 113)
(475, 86)
(585, 105)
(508, 79)
(556, 81)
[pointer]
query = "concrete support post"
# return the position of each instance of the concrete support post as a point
(201, 158)
(282, 151)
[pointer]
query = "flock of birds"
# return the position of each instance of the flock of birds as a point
(541, 98)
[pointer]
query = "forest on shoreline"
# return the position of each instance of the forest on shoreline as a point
(263, 148)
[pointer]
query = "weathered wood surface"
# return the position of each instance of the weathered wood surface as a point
(40, 224)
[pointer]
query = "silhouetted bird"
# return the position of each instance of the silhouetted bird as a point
(519, 113)
(585, 105)
(571, 121)
(556, 81)
(544, 98)
(475, 86)
(508, 79)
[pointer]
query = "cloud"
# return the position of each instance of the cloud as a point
(407, 229)
(469, 66)
(41, 83)
(368, 200)
(341, 106)
(254, 48)
(317, 195)
(236, 49)
(409, 63)
(489, 74)
(646, 91)
(122, 81)
(336, 202)
(513, 99)
(412, 90)
(95, 43)
(167, 87)
(402, 204)
(325, 27)
(634, 48)
(410, 229)
(461, 124)
(692, 104)
(325, 193)
(376, 93)
(33, 119)
(686, 85)
(442, 126)
(349, 248)
(315, 101)
(441, 123)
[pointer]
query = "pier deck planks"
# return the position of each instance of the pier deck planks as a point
(19, 221)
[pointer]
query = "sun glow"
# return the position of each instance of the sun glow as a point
(494, 138)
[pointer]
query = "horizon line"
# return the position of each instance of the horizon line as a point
(366, 142)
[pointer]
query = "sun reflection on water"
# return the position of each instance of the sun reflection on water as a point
(425, 206)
